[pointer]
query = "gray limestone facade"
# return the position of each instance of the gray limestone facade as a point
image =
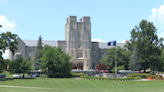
(77, 44)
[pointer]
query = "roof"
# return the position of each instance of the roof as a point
(32, 43)
(104, 45)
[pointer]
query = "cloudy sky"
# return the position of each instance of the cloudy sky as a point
(110, 19)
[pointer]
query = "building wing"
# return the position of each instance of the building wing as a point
(33, 43)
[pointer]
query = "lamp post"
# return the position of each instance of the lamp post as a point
(116, 63)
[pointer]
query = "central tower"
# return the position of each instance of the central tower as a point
(78, 41)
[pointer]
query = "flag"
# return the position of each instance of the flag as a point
(112, 43)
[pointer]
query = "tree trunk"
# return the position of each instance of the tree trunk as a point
(23, 75)
(144, 70)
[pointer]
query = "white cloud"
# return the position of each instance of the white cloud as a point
(6, 24)
(5, 55)
(154, 14)
(123, 41)
(97, 40)
(158, 15)
(161, 35)
(2, 1)
(161, 14)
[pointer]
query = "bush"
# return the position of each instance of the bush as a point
(158, 76)
(144, 75)
(43, 75)
(78, 74)
(113, 79)
(50, 75)
(63, 75)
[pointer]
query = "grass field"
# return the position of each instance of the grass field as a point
(79, 85)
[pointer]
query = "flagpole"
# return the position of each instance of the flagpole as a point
(116, 62)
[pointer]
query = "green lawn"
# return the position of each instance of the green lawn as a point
(80, 85)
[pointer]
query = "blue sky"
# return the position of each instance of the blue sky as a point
(110, 19)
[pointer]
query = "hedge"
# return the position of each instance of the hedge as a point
(78, 74)
(43, 75)
(110, 79)
(145, 75)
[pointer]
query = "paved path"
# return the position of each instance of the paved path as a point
(22, 87)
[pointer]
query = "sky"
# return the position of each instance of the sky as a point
(110, 19)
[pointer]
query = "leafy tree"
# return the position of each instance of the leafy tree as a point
(32, 63)
(25, 66)
(156, 62)
(5, 63)
(55, 60)
(20, 65)
(122, 58)
(163, 58)
(118, 68)
(102, 67)
(134, 63)
(144, 38)
(15, 66)
(7, 40)
(38, 54)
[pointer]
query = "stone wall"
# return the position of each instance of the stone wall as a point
(61, 44)
(19, 52)
(103, 53)
(30, 52)
(95, 54)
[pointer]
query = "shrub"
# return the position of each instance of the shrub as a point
(158, 76)
(78, 74)
(102, 67)
(114, 79)
(143, 75)
(50, 75)
(43, 75)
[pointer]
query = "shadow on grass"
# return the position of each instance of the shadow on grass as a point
(27, 78)
(8, 79)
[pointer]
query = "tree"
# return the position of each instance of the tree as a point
(122, 58)
(33, 62)
(134, 63)
(146, 39)
(55, 60)
(25, 66)
(118, 68)
(38, 54)
(5, 63)
(0, 26)
(102, 67)
(20, 65)
(7, 40)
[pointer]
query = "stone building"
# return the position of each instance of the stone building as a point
(77, 44)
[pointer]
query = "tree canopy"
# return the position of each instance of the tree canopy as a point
(38, 54)
(20, 65)
(55, 60)
(122, 58)
(102, 67)
(148, 44)
(7, 40)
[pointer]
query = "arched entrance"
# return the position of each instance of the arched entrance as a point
(80, 66)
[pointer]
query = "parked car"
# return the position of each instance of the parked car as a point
(124, 73)
(137, 72)
(17, 75)
(2, 75)
(35, 75)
